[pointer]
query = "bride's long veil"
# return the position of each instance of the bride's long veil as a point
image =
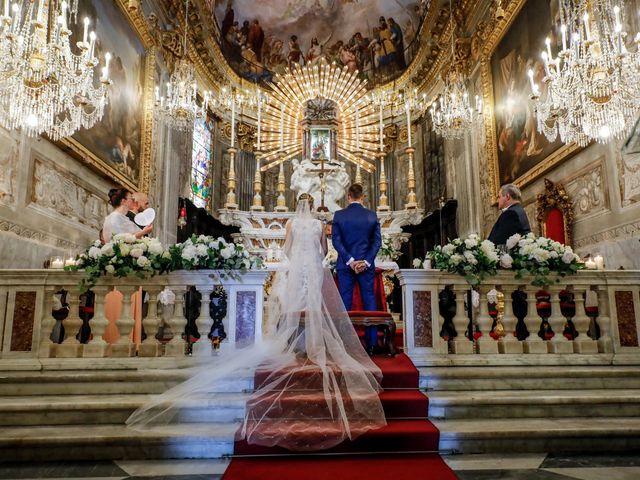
(315, 386)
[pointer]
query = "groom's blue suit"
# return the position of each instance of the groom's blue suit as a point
(355, 235)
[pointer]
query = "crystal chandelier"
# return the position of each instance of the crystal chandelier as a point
(178, 107)
(592, 87)
(44, 86)
(452, 114)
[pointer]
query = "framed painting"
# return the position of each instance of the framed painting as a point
(119, 145)
(517, 152)
(320, 144)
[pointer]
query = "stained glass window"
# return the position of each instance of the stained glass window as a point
(201, 163)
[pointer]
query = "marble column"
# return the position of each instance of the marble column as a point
(150, 346)
(97, 346)
(71, 347)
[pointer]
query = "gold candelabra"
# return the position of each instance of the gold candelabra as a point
(383, 204)
(257, 186)
(412, 201)
(231, 203)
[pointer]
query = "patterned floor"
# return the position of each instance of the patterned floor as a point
(467, 467)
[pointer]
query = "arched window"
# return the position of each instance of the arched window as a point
(201, 163)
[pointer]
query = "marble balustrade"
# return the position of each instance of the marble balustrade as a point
(609, 324)
(27, 322)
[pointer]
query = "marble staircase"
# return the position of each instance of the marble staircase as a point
(490, 408)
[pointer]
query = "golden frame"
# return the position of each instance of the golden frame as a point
(79, 151)
(499, 30)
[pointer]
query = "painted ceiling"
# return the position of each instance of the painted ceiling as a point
(375, 37)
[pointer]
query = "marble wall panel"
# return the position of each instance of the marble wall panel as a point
(245, 317)
(423, 321)
(23, 318)
(627, 327)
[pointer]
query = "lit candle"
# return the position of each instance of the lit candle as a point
(590, 264)
(546, 63)
(616, 11)
(40, 10)
(70, 262)
(233, 120)
(15, 9)
(408, 112)
(259, 118)
(586, 26)
(599, 261)
(107, 59)
(282, 127)
(534, 87)
(563, 29)
(478, 104)
(92, 39)
(6, 8)
(57, 262)
(86, 30)
(195, 89)
(157, 94)
(548, 42)
(357, 127)
(381, 143)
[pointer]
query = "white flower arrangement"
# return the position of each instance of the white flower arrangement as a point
(206, 252)
(470, 257)
(387, 249)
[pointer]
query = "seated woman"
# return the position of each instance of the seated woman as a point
(116, 223)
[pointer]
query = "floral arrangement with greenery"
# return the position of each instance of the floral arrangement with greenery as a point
(387, 249)
(202, 252)
(471, 257)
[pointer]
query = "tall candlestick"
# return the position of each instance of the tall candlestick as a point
(282, 127)
(408, 111)
(357, 128)
(259, 119)
(233, 120)
(381, 143)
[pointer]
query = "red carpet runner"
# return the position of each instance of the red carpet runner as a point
(407, 430)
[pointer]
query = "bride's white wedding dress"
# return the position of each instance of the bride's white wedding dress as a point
(315, 384)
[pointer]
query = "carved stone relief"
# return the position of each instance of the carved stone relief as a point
(64, 194)
(8, 162)
(23, 232)
(586, 192)
(629, 166)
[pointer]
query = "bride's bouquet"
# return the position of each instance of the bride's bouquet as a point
(539, 257)
(470, 257)
(201, 252)
(123, 255)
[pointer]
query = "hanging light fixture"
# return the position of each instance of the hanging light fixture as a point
(592, 87)
(451, 113)
(178, 106)
(44, 86)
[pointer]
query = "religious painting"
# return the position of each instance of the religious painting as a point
(518, 152)
(320, 144)
(379, 38)
(116, 144)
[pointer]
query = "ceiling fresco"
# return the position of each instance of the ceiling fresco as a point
(375, 37)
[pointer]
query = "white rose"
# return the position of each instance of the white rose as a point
(456, 258)
(142, 246)
(155, 248)
(487, 247)
(142, 261)
(448, 249)
(493, 256)
(471, 258)
(227, 252)
(166, 254)
(506, 261)
(513, 240)
(107, 249)
(201, 250)
(136, 252)
(110, 269)
(189, 252)
(124, 250)
(94, 252)
(492, 296)
(97, 243)
(568, 257)
(470, 242)
(417, 263)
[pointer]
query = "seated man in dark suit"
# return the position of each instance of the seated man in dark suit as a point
(513, 218)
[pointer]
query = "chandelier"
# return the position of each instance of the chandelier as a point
(178, 106)
(592, 87)
(44, 86)
(452, 114)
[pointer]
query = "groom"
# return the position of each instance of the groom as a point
(355, 235)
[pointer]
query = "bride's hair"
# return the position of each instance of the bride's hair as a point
(308, 198)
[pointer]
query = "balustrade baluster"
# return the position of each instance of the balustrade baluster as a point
(176, 347)
(150, 347)
(461, 344)
(486, 344)
(47, 348)
(124, 347)
(605, 342)
(97, 346)
(559, 343)
(204, 322)
(71, 347)
(509, 343)
(582, 344)
(533, 343)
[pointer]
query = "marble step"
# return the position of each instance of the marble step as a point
(109, 442)
(113, 409)
(502, 404)
(487, 378)
(539, 434)
(104, 382)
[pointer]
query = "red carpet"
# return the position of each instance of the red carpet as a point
(407, 430)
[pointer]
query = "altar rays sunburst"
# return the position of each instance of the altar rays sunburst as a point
(357, 140)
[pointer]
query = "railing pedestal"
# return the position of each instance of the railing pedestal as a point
(461, 345)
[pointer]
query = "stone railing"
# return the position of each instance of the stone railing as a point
(27, 321)
(593, 312)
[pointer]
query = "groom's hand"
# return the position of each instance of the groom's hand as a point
(361, 267)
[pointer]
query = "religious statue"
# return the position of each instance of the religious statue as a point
(306, 178)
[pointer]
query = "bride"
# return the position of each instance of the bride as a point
(315, 386)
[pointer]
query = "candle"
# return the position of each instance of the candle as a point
(534, 87)
(546, 63)
(282, 127)
(586, 26)
(92, 38)
(616, 11)
(105, 71)
(408, 111)
(15, 9)
(381, 143)
(63, 14)
(70, 262)
(548, 42)
(259, 118)
(6, 7)
(86, 30)
(57, 262)
(590, 264)
(357, 128)
(427, 264)
(563, 29)
(40, 10)
(599, 261)
(233, 120)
